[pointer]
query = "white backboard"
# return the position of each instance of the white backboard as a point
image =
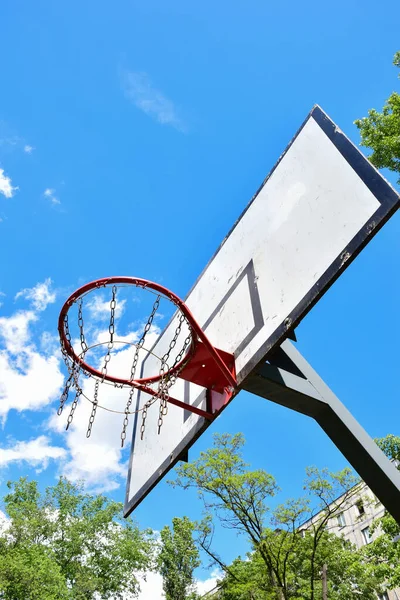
(313, 214)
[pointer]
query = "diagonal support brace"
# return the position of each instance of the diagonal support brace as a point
(290, 381)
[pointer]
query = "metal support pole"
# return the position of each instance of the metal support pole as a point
(288, 379)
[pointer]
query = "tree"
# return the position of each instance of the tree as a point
(390, 444)
(72, 542)
(247, 580)
(291, 561)
(384, 551)
(30, 573)
(177, 559)
(348, 577)
(380, 131)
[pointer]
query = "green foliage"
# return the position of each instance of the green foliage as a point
(247, 580)
(79, 540)
(29, 572)
(177, 559)
(347, 572)
(380, 131)
(327, 487)
(236, 494)
(284, 564)
(390, 445)
(384, 551)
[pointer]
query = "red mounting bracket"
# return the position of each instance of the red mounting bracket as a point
(218, 376)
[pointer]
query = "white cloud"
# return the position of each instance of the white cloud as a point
(151, 585)
(97, 459)
(50, 194)
(14, 330)
(29, 380)
(4, 522)
(10, 140)
(99, 308)
(40, 295)
(209, 584)
(139, 88)
(6, 187)
(49, 343)
(8, 137)
(36, 452)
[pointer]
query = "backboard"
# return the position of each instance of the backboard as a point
(320, 205)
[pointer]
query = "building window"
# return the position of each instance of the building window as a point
(360, 508)
(384, 596)
(341, 520)
(366, 535)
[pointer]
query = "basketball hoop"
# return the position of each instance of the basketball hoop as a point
(189, 356)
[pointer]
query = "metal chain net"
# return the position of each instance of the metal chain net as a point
(166, 381)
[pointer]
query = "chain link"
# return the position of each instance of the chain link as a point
(66, 358)
(73, 407)
(84, 345)
(144, 416)
(139, 345)
(163, 388)
(111, 330)
(94, 408)
(73, 368)
(126, 418)
(66, 329)
(166, 383)
(171, 379)
(73, 379)
(64, 395)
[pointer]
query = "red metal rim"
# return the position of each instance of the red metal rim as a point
(138, 282)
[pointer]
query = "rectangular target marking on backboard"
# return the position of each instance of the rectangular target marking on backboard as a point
(249, 320)
(320, 205)
(244, 293)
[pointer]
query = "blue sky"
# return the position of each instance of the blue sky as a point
(132, 135)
